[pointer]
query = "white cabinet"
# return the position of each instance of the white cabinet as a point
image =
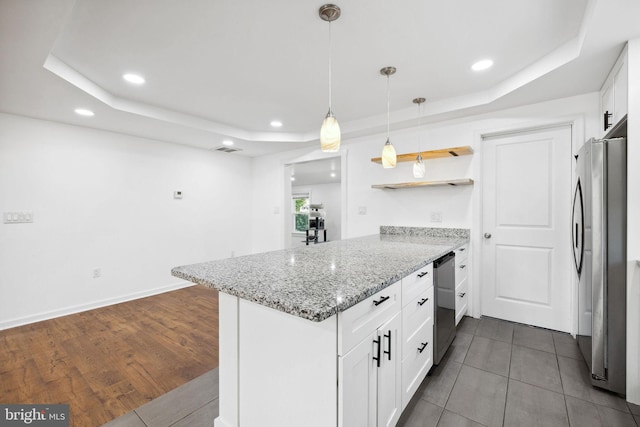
(613, 95)
(389, 373)
(462, 281)
(370, 370)
(417, 340)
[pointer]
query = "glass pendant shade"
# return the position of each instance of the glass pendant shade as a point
(418, 167)
(330, 134)
(388, 155)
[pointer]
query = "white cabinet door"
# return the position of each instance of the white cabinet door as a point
(607, 106)
(390, 373)
(358, 391)
(620, 89)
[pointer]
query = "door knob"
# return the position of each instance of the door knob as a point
(487, 235)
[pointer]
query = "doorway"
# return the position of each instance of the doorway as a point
(316, 201)
(526, 245)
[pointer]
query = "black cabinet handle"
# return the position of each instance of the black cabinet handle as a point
(462, 294)
(424, 273)
(423, 301)
(377, 358)
(607, 116)
(382, 299)
(461, 249)
(388, 351)
(463, 266)
(424, 345)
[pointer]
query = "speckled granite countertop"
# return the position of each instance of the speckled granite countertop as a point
(318, 281)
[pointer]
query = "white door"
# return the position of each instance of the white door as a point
(526, 253)
(390, 373)
(359, 384)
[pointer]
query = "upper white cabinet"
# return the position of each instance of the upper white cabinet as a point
(613, 95)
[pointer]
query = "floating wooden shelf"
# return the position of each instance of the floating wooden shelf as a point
(431, 154)
(452, 182)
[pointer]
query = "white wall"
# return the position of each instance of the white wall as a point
(105, 200)
(633, 225)
(329, 196)
(412, 207)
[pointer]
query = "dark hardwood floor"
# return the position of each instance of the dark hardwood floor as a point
(109, 361)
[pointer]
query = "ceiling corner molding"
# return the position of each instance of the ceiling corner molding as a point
(72, 76)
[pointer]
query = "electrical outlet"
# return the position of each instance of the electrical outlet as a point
(436, 216)
(97, 272)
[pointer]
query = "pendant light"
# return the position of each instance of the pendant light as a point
(418, 167)
(388, 152)
(330, 130)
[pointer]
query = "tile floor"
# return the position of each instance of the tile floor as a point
(496, 373)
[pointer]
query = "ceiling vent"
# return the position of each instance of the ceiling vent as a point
(226, 149)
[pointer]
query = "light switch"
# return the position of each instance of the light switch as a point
(17, 217)
(362, 210)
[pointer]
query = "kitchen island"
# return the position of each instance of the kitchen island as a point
(288, 318)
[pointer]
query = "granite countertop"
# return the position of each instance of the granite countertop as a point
(318, 281)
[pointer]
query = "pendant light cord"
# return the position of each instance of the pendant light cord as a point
(388, 106)
(419, 127)
(330, 52)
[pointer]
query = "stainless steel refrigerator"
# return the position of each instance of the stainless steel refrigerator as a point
(599, 245)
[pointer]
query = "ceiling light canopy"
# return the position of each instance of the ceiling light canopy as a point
(482, 65)
(136, 79)
(84, 112)
(389, 157)
(276, 123)
(330, 130)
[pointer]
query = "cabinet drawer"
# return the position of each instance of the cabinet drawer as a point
(416, 364)
(416, 283)
(357, 322)
(462, 253)
(462, 269)
(417, 312)
(462, 297)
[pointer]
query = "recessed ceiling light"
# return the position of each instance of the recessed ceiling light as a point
(276, 123)
(333, 174)
(227, 143)
(134, 78)
(84, 112)
(293, 178)
(482, 65)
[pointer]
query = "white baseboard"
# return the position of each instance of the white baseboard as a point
(12, 323)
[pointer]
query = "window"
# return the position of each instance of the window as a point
(300, 211)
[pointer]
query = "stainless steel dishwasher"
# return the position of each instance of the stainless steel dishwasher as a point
(444, 325)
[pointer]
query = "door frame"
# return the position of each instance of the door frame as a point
(577, 125)
(309, 157)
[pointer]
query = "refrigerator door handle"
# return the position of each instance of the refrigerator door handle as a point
(598, 273)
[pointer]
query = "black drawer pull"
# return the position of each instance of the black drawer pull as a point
(382, 299)
(463, 266)
(424, 273)
(377, 358)
(388, 352)
(462, 294)
(461, 249)
(423, 301)
(424, 345)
